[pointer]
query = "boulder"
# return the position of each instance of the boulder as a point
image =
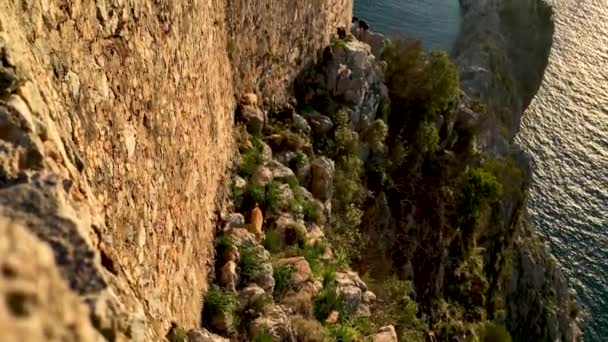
(231, 254)
(253, 117)
(314, 236)
(351, 298)
(298, 303)
(223, 321)
(265, 279)
(249, 295)
(274, 321)
(249, 99)
(322, 171)
(262, 176)
(228, 275)
(285, 196)
(300, 124)
(386, 334)
(286, 157)
(284, 222)
(203, 335)
(321, 124)
(363, 310)
(236, 220)
(304, 174)
(350, 278)
(300, 269)
(37, 303)
(290, 230)
(280, 171)
(352, 73)
(375, 40)
(241, 236)
(266, 153)
(368, 297)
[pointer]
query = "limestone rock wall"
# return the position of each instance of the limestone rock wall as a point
(131, 104)
(271, 41)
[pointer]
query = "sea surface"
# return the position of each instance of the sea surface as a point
(565, 130)
(435, 22)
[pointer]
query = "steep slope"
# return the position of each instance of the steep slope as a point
(131, 103)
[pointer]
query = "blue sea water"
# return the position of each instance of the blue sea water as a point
(565, 130)
(435, 22)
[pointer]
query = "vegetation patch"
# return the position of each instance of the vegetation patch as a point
(251, 159)
(327, 301)
(273, 241)
(250, 264)
(282, 279)
(218, 301)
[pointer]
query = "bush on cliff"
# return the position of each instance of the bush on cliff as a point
(480, 186)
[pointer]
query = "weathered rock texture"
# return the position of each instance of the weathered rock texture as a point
(502, 52)
(129, 106)
(271, 41)
(37, 304)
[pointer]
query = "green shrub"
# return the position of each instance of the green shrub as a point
(394, 306)
(338, 43)
(479, 186)
(217, 300)
(327, 301)
(491, 332)
(300, 158)
(257, 194)
(250, 263)
(311, 212)
(347, 140)
(272, 198)
(223, 242)
(376, 134)
(260, 303)
(427, 138)
(329, 276)
(273, 241)
(263, 336)
(282, 279)
(251, 159)
(344, 333)
(508, 173)
(440, 85)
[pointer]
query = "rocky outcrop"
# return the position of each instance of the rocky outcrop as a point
(540, 302)
(322, 170)
(273, 322)
(501, 52)
(351, 74)
(385, 334)
(37, 303)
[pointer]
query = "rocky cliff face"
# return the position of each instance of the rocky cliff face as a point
(123, 109)
(502, 53)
